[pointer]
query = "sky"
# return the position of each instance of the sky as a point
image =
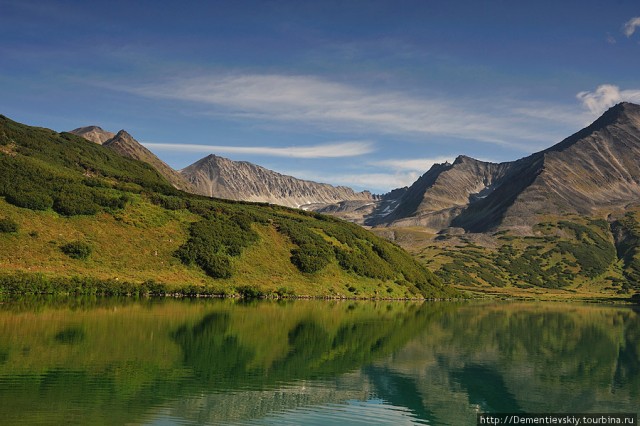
(367, 94)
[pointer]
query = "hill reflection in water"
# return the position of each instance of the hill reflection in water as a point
(215, 362)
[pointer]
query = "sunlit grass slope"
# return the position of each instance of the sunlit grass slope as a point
(76, 217)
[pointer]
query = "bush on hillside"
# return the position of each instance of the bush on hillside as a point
(7, 226)
(77, 250)
(212, 241)
(29, 199)
(310, 259)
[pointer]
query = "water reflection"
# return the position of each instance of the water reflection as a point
(221, 362)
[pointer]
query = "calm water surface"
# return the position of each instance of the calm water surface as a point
(184, 362)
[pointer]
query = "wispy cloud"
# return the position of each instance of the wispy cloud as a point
(415, 164)
(377, 182)
(631, 25)
(329, 150)
(335, 106)
(605, 96)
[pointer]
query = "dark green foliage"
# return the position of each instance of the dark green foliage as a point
(592, 252)
(627, 231)
(169, 202)
(77, 250)
(50, 170)
(75, 200)
(21, 283)
(309, 258)
(250, 292)
(212, 241)
(7, 226)
(359, 252)
(29, 199)
(544, 261)
(215, 265)
(313, 252)
(41, 169)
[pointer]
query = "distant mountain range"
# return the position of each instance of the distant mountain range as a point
(219, 177)
(240, 180)
(593, 171)
(79, 217)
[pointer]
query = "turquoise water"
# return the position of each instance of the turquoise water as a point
(188, 362)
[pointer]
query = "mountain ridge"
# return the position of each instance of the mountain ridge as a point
(124, 144)
(221, 177)
(81, 218)
(590, 170)
(93, 133)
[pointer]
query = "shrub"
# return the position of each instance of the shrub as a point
(309, 259)
(7, 225)
(77, 250)
(75, 201)
(250, 292)
(29, 199)
(215, 265)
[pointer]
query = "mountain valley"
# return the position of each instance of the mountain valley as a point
(565, 220)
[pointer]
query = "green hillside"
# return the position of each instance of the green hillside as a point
(76, 217)
(565, 255)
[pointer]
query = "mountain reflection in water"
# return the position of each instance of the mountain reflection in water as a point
(311, 362)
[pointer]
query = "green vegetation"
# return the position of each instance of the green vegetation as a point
(573, 254)
(78, 199)
(627, 230)
(7, 226)
(56, 356)
(77, 250)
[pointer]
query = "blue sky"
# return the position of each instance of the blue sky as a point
(367, 94)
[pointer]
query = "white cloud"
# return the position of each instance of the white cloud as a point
(631, 25)
(416, 164)
(378, 183)
(606, 96)
(330, 150)
(335, 106)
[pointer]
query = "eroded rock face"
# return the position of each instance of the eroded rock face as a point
(593, 171)
(239, 180)
(94, 134)
(124, 144)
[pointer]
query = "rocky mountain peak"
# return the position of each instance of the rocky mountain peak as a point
(93, 133)
(221, 177)
(124, 144)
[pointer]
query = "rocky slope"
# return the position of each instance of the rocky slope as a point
(93, 133)
(592, 173)
(124, 144)
(240, 180)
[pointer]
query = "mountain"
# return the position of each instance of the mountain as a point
(240, 180)
(562, 222)
(93, 134)
(591, 173)
(77, 217)
(124, 144)
(444, 191)
(362, 212)
(219, 177)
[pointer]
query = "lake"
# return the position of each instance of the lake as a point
(183, 362)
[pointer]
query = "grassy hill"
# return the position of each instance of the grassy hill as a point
(77, 217)
(567, 256)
